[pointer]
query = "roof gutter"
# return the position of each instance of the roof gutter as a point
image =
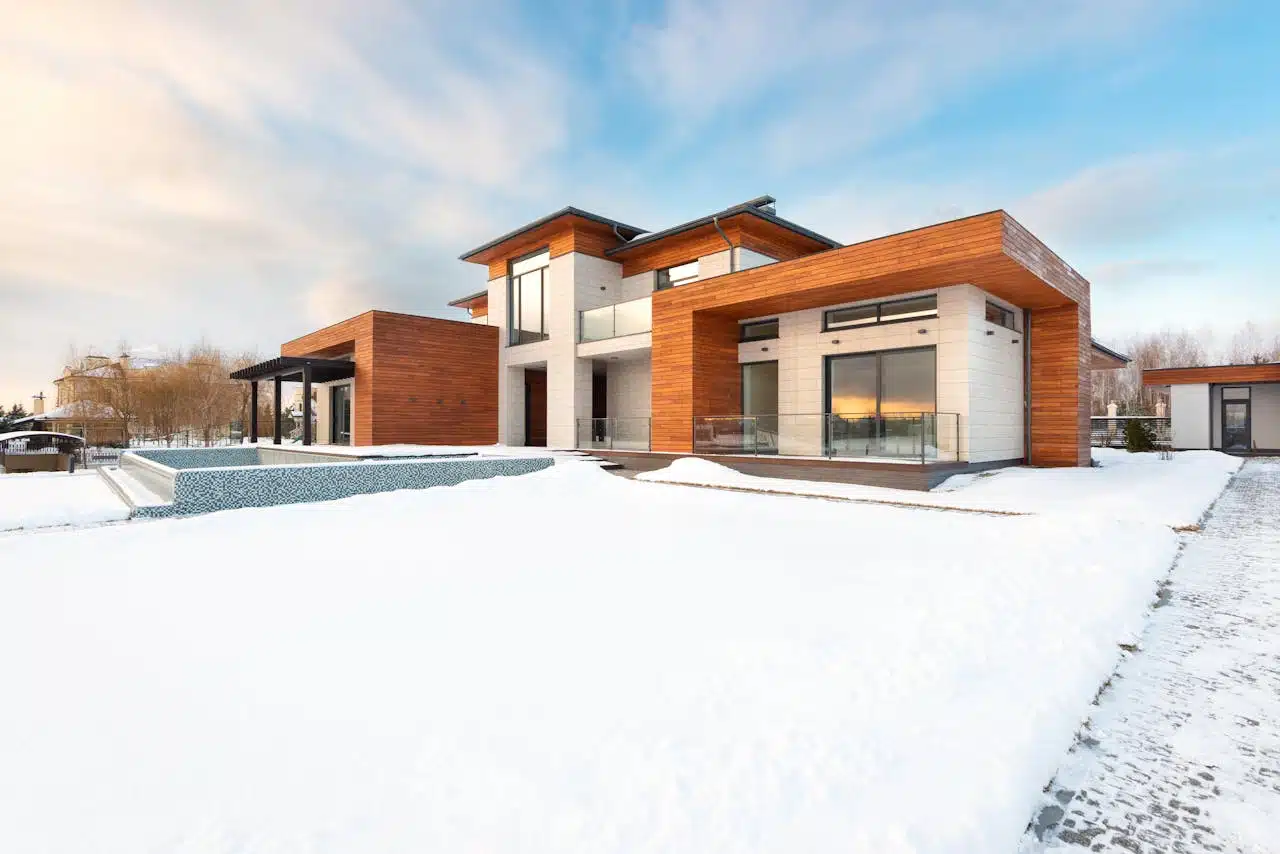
(715, 220)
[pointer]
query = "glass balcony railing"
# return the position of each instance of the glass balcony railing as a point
(925, 437)
(614, 321)
(613, 434)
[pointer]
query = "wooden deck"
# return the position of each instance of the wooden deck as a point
(903, 475)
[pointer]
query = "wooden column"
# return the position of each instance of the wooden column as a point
(253, 411)
(306, 404)
(275, 439)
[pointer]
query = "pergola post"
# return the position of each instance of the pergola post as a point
(275, 439)
(306, 404)
(253, 411)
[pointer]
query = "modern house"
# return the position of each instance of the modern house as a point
(960, 345)
(1233, 408)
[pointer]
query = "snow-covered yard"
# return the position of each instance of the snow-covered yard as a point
(1137, 487)
(565, 661)
(44, 499)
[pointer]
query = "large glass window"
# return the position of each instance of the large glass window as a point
(760, 388)
(908, 381)
(673, 277)
(909, 309)
(891, 382)
(528, 298)
(853, 384)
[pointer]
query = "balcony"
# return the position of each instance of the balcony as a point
(918, 437)
(614, 321)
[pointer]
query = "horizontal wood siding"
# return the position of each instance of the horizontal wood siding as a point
(990, 251)
(562, 236)
(354, 336)
(435, 382)
(1061, 359)
(741, 230)
(1213, 374)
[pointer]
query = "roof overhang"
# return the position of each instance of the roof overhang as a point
(469, 301)
(712, 220)
(495, 249)
(1215, 374)
(991, 251)
(1106, 359)
(290, 368)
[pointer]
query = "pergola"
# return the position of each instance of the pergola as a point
(304, 369)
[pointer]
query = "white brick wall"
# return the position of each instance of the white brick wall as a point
(716, 264)
(1264, 412)
(996, 404)
(634, 287)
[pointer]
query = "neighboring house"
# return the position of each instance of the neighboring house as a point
(96, 423)
(1234, 408)
(741, 333)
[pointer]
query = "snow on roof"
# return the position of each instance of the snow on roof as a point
(78, 409)
(27, 434)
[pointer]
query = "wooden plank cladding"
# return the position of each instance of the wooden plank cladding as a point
(691, 372)
(562, 235)
(418, 380)
(1269, 373)
(741, 230)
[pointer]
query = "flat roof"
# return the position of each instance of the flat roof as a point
(627, 231)
(322, 370)
(1267, 372)
(753, 208)
(462, 302)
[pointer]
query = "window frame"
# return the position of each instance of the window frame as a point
(1012, 315)
(828, 359)
(743, 327)
(657, 275)
(515, 305)
(879, 319)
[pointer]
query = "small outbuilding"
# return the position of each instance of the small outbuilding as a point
(1232, 408)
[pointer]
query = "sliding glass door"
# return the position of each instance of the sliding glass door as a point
(881, 404)
(760, 405)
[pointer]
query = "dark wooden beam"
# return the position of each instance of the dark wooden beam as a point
(275, 439)
(306, 404)
(253, 412)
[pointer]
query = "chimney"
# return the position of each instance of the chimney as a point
(37, 404)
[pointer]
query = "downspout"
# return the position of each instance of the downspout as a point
(1026, 386)
(715, 220)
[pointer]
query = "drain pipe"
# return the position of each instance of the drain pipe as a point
(715, 220)
(1026, 386)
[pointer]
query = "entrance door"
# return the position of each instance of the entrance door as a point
(1235, 425)
(535, 408)
(340, 415)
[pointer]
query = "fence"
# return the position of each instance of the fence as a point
(1106, 431)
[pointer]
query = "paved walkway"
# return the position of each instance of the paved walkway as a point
(1183, 751)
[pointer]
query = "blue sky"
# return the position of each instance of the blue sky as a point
(244, 172)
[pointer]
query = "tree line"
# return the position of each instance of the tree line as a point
(1175, 348)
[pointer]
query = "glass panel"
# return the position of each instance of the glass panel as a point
(762, 330)
(908, 381)
(678, 275)
(1001, 316)
(908, 308)
(760, 398)
(533, 262)
(597, 324)
(858, 315)
(529, 288)
(851, 384)
(1235, 426)
(631, 318)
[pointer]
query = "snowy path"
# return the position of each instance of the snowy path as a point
(1183, 752)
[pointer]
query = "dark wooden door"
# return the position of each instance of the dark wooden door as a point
(535, 408)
